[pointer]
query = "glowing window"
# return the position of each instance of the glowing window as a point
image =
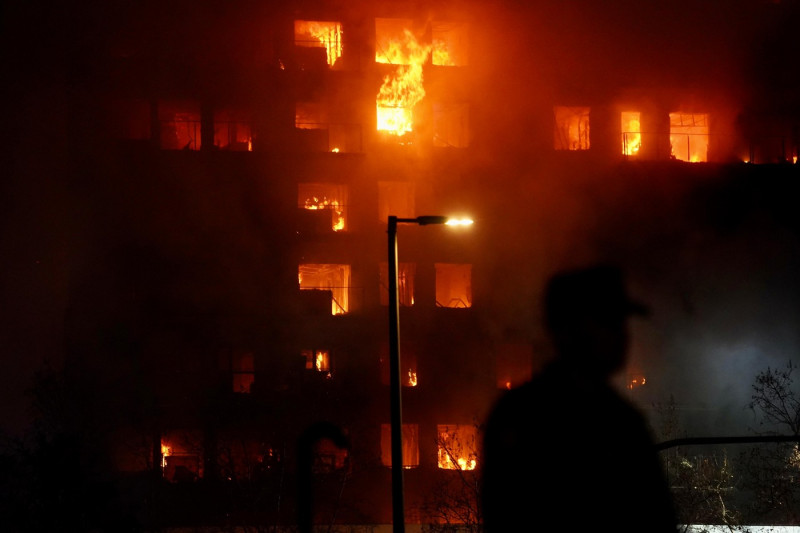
(402, 88)
(243, 370)
(328, 277)
(458, 446)
(395, 198)
(317, 360)
(631, 129)
(405, 283)
(232, 131)
(514, 365)
(451, 125)
(453, 285)
(688, 136)
(327, 203)
(179, 124)
(181, 456)
(450, 45)
(319, 34)
(410, 441)
(408, 362)
(310, 116)
(571, 128)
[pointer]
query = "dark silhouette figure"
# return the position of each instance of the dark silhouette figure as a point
(566, 451)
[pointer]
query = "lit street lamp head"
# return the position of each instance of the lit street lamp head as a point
(435, 219)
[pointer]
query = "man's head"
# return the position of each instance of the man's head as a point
(586, 312)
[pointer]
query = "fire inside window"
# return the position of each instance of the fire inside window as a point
(514, 365)
(457, 446)
(688, 136)
(395, 198)
(450, 44)
(405, 283)
(329, 199)
(232, 131)
(631, 129)
(571, 128)
(181, 453)
(408, 373)
(243, 370)
(410, 441)
(453, 285)
(450, 124)
(179, 125)
(402, 89)
(330, 277)
(317, 360)
(319, 34)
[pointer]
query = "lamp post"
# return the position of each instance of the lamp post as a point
(395, 384)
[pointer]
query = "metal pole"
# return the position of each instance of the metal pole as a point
(398, 513)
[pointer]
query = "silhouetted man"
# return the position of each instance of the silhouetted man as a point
(565, 451)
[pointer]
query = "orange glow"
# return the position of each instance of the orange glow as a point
(412, 378)
(453, 285)
(331, 277)
(630, 126)
(571, 128)
(457, 447)
(636, 381)
(166, 451)
(410, 443)
(314, 203)
(314, 34)
(688, 136)
(402, 89)
(319, 360)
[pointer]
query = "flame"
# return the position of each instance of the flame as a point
(329, 34)
(314, 203)
(631, 133)
(412, 378)
(166, 451)
(402, 89)
(636, 381)
(688, 136)
(441, 55)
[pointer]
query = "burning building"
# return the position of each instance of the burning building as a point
(234, 165)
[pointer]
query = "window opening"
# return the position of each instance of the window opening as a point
(179, 124)
(688, 137)
(631, 128)
(402, 89)
(329, 200)
(181, 456)
(571, 128)
(457, 446)
(450, 44)
(405, 283)
(328, 457)
(243, 370)
(330, 277)
(453, 285)
(450, 125)
(317, 360)
(395, 198)
(320, 34)
(410, 440)
(232, 131)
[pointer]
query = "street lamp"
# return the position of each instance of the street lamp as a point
(395, 385)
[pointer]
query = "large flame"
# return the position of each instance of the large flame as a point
(402, 89)
(328, 35)
(631, 133)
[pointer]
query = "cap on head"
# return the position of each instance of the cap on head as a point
(596, 292)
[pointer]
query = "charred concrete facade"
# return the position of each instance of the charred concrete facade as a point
(227, 182)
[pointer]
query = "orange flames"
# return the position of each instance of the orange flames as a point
(412, 378)
(326, 35)
(631, 133)
(337, 210)
(402, 89)
(636, 381)
(688, 136)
